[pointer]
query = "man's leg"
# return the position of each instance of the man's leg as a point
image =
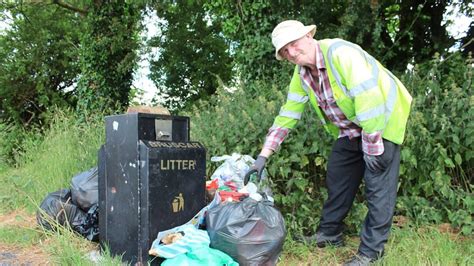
(381, 193)
(345, 170)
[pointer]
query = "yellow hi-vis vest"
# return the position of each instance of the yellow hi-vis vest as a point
(368, 94)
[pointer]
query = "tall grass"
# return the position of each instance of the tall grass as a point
(67, 248)
(46, 165)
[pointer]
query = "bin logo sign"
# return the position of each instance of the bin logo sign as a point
(178, 203)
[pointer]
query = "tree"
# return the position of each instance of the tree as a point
(395, 32)
(77, 53)
(467, 42)
(192, 54)
(108, 55)
(420, 33)
(38, 60)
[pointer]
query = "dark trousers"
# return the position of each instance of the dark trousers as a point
(346, 167)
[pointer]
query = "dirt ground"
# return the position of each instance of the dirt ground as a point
(14, 255)
(18, 255)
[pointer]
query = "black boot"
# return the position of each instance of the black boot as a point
(359, 260)
(322, 240)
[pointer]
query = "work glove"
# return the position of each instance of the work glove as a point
(373, 162)
(257, 167)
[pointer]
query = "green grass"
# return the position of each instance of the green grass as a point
(428, 246)
(67, 248)
(23, 237)
(63, 246)
(406, 246)
(48, 165)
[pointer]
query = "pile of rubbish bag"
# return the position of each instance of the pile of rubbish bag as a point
(75, 207)
(239, 226)
(241, 223)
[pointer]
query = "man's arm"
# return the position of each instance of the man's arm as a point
(290, 114)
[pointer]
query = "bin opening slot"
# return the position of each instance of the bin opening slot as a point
(163, 129)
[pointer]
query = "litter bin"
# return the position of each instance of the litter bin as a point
(151, 178)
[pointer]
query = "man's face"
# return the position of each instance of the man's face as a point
(300, 52)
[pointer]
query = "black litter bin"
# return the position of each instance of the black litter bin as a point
(151, 178)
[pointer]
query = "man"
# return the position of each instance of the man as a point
(365, 107)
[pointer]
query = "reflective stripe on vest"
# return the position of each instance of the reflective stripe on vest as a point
(297, 97)
(290, 114)
(385, 108)
(365, 85)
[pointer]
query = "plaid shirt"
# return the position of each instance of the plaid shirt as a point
(372, 144)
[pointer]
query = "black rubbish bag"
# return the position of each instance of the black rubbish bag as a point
(84, 188)
(251, 232)
(57, 209)
(89, 228)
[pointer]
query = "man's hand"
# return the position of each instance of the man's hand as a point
(257, 167)
(259, 164)
(373, 162)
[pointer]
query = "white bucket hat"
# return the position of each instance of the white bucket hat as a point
(288, 31)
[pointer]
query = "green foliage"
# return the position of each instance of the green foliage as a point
(12, 138)
(248, 25)
(61, 55)
(191, 54)
(437, 156)
(417, 32)
(38, 60)
(108, 55)
(233, 112)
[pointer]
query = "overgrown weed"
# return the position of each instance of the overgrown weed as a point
(66, 149)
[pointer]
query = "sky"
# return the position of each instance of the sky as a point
(460, 22)
(141, 79)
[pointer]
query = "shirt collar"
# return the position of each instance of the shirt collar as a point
(319, 56)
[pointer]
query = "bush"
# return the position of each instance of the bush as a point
(437, 156)
(12, 140)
